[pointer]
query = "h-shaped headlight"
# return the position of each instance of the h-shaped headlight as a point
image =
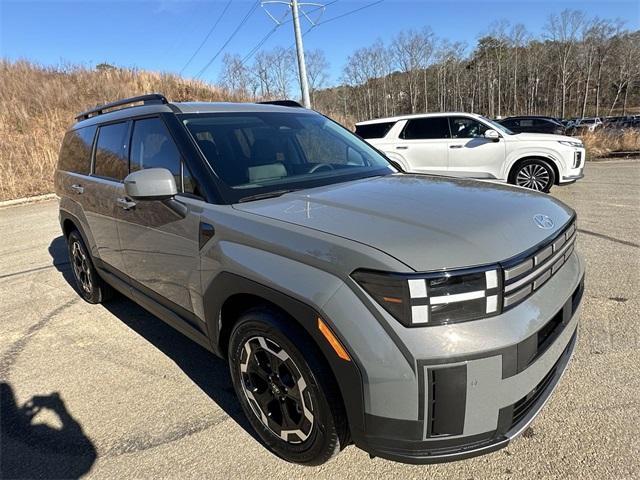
(435, 298)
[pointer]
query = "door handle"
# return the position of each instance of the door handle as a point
(125, 204)
(77, 188)
(402, 147)
(456, 146)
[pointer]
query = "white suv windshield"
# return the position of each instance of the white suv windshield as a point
(258, 152)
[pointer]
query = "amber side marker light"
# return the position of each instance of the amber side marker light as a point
(333, 341)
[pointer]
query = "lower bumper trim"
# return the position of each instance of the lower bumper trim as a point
(426, 452)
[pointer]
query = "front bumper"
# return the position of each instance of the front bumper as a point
(451, 392)
(514, 420)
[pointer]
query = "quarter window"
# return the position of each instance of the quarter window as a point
(111, 158)
(75, 154)
(464, 127)
(426, 128)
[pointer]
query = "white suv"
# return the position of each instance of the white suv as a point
(470, 145)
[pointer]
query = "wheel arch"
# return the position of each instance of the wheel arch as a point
(229, 295)
(551, 161)
(68, 223)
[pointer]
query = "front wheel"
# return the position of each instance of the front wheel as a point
(290, 399)
(534, 174)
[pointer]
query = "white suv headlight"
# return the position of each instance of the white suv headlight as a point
(569, 143)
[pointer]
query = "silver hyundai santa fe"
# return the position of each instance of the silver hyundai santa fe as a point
(422, 318)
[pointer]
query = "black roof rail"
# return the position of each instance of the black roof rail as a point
(282, 103)
(149, 99)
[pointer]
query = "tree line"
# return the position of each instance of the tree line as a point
(579, 66)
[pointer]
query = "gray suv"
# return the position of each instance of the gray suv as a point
(422, 318)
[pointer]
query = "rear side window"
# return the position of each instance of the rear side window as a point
(75, 154)
(374, 130)
(426, 128)
(111, 157)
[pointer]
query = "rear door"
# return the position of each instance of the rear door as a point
(103, 189)
(470, 153)
(160, 244)
(423, 144)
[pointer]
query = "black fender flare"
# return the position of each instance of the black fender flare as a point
(347, 374)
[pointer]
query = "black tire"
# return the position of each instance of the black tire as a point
(535, 173)
(327, 432)
(87, 281)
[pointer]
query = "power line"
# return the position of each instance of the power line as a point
(233, 34)
(224, 10)
(255, 49)
(349, 12)
(252, 52)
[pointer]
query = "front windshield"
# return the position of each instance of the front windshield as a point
(497, 126)
(262, 152)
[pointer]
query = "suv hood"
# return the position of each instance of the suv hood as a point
(426, 222)
(545, 137)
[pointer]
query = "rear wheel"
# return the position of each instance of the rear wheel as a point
(290, 399)
(535, 174)
(90, 286)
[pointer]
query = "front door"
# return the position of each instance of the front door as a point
(159, 242)
(423, 144)
(470, 153)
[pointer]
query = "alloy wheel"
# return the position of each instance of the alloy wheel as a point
(533, 176)
(81, 267)
(276, 390)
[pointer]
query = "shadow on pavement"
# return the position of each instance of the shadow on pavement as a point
(209, 372)
(36, 450)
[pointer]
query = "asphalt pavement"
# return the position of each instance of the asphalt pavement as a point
(112, 392)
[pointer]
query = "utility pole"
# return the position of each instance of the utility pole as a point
(302, 66)
(295, 14)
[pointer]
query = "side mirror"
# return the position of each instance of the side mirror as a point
(492, 135)
(150, 184)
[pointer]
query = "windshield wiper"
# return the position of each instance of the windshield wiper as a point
(261, 196)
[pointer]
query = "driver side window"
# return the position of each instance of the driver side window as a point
(464, 127)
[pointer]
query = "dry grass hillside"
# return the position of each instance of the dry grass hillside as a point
(38, 104)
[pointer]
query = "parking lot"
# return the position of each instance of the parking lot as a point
(117, 393)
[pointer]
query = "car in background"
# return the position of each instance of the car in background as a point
(533, 124)
(472, 146)
(587, 124)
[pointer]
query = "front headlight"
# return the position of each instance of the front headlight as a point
(570, 143)
(435, 298)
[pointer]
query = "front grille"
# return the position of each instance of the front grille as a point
(524, 276)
